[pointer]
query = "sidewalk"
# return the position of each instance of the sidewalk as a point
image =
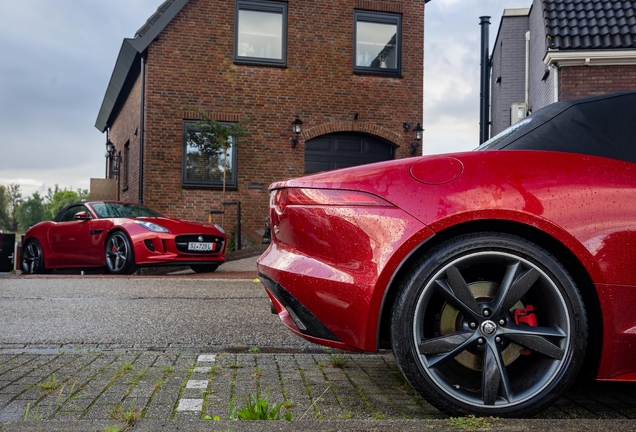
(327, 390)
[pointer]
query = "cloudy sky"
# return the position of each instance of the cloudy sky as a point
(56, 58)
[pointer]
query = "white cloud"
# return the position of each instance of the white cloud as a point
(452, 68)
(57, 58)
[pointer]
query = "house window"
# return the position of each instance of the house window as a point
(204, 165)
(377, 47)
(126, 165)
(260, 32)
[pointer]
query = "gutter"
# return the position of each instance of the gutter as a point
(590, 58)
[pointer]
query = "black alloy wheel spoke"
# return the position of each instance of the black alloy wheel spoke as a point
(444, 348)
(494, 376)
(456, 291)
(514, 286)
(443, 344)
(539, 344)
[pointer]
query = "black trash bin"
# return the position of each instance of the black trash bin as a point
(6, 256)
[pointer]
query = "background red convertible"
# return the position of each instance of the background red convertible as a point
(494, 275)
(120, 237)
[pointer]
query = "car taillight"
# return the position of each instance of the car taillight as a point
(282, 198)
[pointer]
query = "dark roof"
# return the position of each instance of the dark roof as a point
(127, 66)
(590, 24)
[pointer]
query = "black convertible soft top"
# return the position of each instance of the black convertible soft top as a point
(602, 125)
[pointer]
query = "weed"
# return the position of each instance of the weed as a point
(255, 350)
(129, 415)
(257, 373)
(36, 413)
(168, 369)
(51, 410)
(339, 361)
(259, 408)
(112, 429)
(124, 368)
(472, 423)
(50, 385)
(236, 365)
(159, 383)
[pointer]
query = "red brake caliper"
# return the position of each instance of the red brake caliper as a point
(526, 316)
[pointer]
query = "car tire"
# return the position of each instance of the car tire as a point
(33, 258)
(489, 324)
(204, 268)
(119, 254)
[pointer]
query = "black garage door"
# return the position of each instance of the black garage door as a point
(341, 150)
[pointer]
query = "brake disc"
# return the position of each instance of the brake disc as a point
(451, 322)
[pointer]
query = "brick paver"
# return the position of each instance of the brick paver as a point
(40, 385)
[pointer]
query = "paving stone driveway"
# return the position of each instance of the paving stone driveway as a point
(41, 384)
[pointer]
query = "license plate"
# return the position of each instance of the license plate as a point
(201, 247)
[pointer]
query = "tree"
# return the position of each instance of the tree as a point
(57, 199)
(4, 208)
(30, 212)
(15, 199)
(215, 137)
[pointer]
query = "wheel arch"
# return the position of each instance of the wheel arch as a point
(574, 266)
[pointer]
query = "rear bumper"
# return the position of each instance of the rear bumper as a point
(295, 316)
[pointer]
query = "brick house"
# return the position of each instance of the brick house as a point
(574, 48)
(350, 70)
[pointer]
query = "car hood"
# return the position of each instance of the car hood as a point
(180, 226)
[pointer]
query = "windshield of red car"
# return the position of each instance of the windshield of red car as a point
(115, 210)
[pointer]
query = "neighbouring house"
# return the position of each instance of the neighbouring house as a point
(560, 49)
(350, 70)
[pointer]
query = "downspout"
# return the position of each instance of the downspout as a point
(142, 115)
(484, 98)
(555, 68)
(527, 97)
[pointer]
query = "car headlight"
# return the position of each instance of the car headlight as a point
(152, 227)
(220, 228)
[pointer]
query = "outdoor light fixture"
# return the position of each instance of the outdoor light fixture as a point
(113, 159)
(418, 137)
(406, 126)
(297, 128)
(418, 132)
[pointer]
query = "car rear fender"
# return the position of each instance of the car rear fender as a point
(541, 236)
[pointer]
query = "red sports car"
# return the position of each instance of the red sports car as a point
(494, 275)
(121, 237)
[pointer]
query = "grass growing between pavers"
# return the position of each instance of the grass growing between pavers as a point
(128, 387)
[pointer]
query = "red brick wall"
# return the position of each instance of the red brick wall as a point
(191, 63)
(123, 130)
(580, 81)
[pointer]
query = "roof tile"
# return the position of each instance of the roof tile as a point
(590, 24)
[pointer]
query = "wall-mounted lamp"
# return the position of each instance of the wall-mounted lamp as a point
(297, 128)
(114, 160)
(418, 137)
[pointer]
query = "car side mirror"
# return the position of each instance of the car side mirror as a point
(81, 216)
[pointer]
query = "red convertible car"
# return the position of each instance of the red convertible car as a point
(120, 237)
(494, 275)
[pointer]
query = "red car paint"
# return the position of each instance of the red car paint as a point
(80, 243)
(340, 262)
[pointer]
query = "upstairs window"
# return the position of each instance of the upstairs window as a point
(204, 165)
(377, 42)
(260, 32)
